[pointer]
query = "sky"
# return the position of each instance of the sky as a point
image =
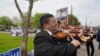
(82, 9)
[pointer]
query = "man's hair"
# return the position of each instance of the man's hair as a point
(45, 19)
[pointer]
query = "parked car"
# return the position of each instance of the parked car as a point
(32, 30)
(5, 29)
(16, 31)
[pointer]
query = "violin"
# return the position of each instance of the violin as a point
(61, 32)
(81, 38)
(60, 35)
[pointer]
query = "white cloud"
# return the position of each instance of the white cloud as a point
(81, 8)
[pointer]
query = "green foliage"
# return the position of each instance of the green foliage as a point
(71, 18)
(5, 21)
(35, 21)
(8, 42)
(20, 24)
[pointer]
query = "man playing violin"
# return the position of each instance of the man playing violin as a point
(46, 45)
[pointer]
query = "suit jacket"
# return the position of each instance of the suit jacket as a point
(98, 36)
(46, 45)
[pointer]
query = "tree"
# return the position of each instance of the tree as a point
(71, 17)
(0, 21)
(25, 21)
(35, 21)
(5, 22)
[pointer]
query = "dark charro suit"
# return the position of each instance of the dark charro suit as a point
(46, 45)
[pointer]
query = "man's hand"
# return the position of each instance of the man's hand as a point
(75, 42)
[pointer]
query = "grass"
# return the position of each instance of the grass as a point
(8, 42)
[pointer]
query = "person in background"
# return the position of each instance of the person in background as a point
(89, 43)
(98, 38)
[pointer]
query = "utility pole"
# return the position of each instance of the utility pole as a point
(72, 17)
(86, 23)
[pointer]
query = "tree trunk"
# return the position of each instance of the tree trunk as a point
(26, 20)
(25, 37)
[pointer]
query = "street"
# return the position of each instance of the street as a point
(82, 51)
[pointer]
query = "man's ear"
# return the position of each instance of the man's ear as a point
(46, 26)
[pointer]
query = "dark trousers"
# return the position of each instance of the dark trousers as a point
(99, 46)
(89, 45)
(75, 53)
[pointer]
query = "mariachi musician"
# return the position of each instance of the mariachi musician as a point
(89, 42)
(45, 43)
